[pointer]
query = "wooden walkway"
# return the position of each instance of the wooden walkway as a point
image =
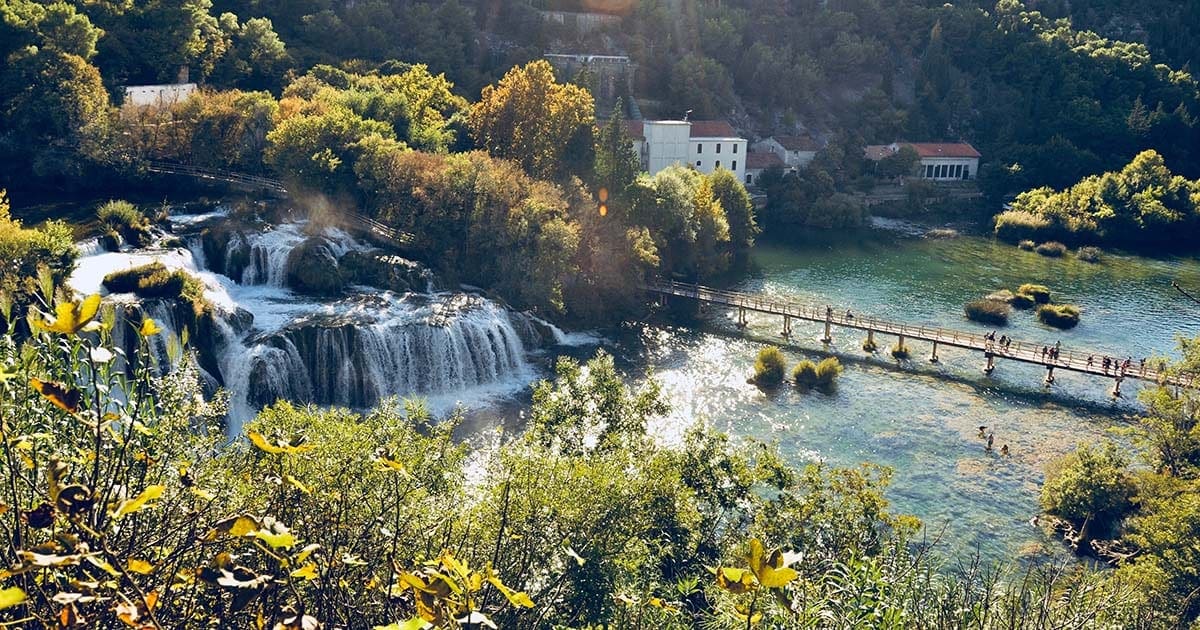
(1025, 352)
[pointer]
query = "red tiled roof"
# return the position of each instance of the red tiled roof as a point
(924, 149)
(798, 143)
(762, 160)
(944, 149)
(635, 129)
(712, 129)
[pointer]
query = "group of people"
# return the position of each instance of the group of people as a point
(1117, 365)
(991, 439)
(1051, 352)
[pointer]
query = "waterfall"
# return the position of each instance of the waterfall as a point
(412, 349)
(268, 343)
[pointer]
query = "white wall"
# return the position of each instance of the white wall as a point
(666, 143)
(708, 154)
(793, 159)
(158, 95)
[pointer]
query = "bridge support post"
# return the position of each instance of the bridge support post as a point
(741, 317)
(828, 338)
(991, 363)
(1049, 376)
(1116, 392)
(869, 344)
(933, 357)
(787, 326)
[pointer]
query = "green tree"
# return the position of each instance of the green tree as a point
(1092, 488)
(532, 119)
(320, 150)
(739, 209)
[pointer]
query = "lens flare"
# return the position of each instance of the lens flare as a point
(603, 209)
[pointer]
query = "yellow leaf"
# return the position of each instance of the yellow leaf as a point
(71, 317)
(66, 398)
(769, 569)
(297, 484)
(736, 581)
(140, 566)
(307, 572)
(276, 540)
(448, 560)
(108, 568)
(580, 560)
(140, 502)
(11, 596)
(390, 464)
(416, 623)
(517, 598)
(261, 442)
(306, 552)
(149, 328)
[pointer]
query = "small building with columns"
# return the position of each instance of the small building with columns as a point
(940, 161)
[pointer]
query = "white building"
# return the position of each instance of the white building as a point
(795, 151)
(940, 161)
(161, 96)
(706, 145)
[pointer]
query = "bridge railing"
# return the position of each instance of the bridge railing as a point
(1029, 351)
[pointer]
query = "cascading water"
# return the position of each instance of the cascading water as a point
(273, 343)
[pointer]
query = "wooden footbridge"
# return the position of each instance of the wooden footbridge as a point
(1091, 363)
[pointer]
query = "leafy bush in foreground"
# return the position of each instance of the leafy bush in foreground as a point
(139, 514)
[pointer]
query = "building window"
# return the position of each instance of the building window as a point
(735, 148)
(718, 161)
(749, 178)
(697, 163)
(958, 170)
(718, 147)
(699, 148)
(734, 167)
(928, 171)
(966, 172)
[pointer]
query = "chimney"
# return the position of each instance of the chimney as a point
(183, 74)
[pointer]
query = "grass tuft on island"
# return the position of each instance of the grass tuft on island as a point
(1052, 249)
(122, 220)
(769, 367)
(1026, 245)
(810, 374)
(1022, 301)
(154, 280)
(1089, 254)
(1062, 316)
(988, 311)
(900, 351)
(1039, 292)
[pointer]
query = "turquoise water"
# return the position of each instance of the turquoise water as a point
(919, 418)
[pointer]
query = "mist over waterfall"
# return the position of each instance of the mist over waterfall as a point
(294, 318)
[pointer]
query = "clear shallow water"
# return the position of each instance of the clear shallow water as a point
(923, 420)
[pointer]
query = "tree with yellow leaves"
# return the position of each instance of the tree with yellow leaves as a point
(528, 117)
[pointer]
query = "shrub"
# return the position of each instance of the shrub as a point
(1026, 245)
(125, 219)
(1040, 293)
(1022, 301)
(1089, 254)
(769, 367)
(1003, 295)
(1052, 249)
(1093, 483)
(987, 311)
(154, 280)
(1062, 316)
(805, 373)
(900, 351)
(1015, 225)
(823, 374)
(127, 280)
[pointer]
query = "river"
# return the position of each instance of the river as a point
(920, 419)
